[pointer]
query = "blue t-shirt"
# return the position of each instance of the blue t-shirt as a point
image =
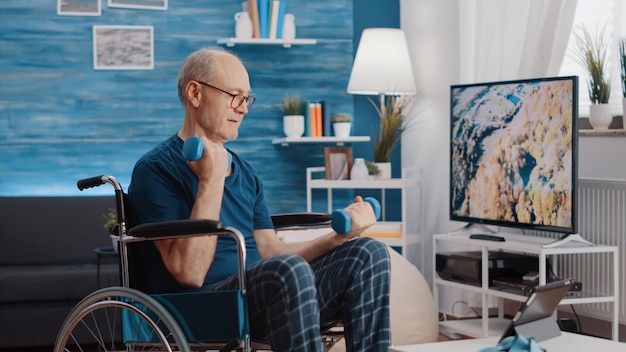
(163, 187)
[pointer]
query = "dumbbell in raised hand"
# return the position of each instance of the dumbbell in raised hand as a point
(341, 221)
(193, 149)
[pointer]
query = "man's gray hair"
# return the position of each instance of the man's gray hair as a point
(199, 65)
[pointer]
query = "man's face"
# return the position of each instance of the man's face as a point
(217, 118)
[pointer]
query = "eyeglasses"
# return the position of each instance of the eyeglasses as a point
(237, 100)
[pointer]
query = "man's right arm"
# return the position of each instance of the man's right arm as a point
(189, 259)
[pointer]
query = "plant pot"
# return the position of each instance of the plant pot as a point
(115, 241)
(600, 116)
(385, 170)
(293, 125)
(342, 129)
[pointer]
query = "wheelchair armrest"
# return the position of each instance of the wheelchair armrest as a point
(176, 228)
(193, 227)
(299, 220)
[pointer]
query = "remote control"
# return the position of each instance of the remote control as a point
(487, 237)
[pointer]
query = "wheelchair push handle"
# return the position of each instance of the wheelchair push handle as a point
(193, 148)
(91, 182)
(341, 221)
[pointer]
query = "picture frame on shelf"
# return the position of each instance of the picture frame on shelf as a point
(139, 4)
(123, 47)
(337, 163)
(79, 8)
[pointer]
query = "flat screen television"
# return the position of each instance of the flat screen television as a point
(513, 153)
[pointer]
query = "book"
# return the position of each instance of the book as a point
(264, 8)
(326, 123)
(281, 15)
(313, 119)
(274, 8)
(253, 9)
(317, 108)
(307, 119)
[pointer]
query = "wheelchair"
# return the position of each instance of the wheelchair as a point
(127, 319)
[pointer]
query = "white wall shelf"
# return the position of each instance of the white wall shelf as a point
(339, 141)
(486, 326)
(393, 233)
(287, 43)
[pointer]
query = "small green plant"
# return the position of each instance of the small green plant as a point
(591, 54)
(291, 105)
(341, 117)
(622, 61)
(111, 221)
(372, 168)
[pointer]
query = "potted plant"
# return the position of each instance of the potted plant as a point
(393, 115)
(293, 120)
(342, 124)
(591, 54)
(622, 61)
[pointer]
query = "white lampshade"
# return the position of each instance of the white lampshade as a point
(382, 64)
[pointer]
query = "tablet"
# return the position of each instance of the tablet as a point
(534, 317)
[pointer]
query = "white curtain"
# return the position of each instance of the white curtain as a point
(501, 40)
(464, 41)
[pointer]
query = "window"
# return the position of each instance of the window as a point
(595, 14)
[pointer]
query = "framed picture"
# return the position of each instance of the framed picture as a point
(139, 4)
(123, 47)
(337, 163)
(78, 7)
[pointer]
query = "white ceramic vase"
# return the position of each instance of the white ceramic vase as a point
(342, 129)
(293, 125)
(359, 170)
(600, 116)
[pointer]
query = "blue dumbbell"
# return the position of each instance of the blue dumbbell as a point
(341, 221)
(193, 149)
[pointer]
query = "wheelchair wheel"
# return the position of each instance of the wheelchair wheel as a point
(120, 319)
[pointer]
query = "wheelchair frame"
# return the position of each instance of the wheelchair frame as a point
(112, 313)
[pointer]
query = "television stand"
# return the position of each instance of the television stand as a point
(472, 227)
(572, 237)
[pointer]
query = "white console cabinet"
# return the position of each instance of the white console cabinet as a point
(402, 234)
(486, 326)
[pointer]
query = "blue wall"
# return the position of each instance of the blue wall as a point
(380, 14)
(60, 120)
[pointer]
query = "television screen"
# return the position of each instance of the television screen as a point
(513, 157)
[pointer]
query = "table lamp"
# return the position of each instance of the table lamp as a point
(382, 66)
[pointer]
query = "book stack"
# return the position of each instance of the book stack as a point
(267, 18)
(316, 119)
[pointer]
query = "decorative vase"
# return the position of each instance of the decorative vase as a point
(293, 125)
(243, 25)
(359, 170)
(342, 129)
(289, 27)
(115, 241)
(600, 116)
(385, 170)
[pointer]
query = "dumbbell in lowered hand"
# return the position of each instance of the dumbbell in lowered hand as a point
(341, 221)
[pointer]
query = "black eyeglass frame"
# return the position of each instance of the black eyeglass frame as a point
(249, 99)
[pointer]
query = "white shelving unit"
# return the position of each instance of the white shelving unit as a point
(393, 233)
(486, 326)
(287, 43)
(339, 141)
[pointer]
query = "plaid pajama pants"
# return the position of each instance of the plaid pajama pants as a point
(290, 300)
